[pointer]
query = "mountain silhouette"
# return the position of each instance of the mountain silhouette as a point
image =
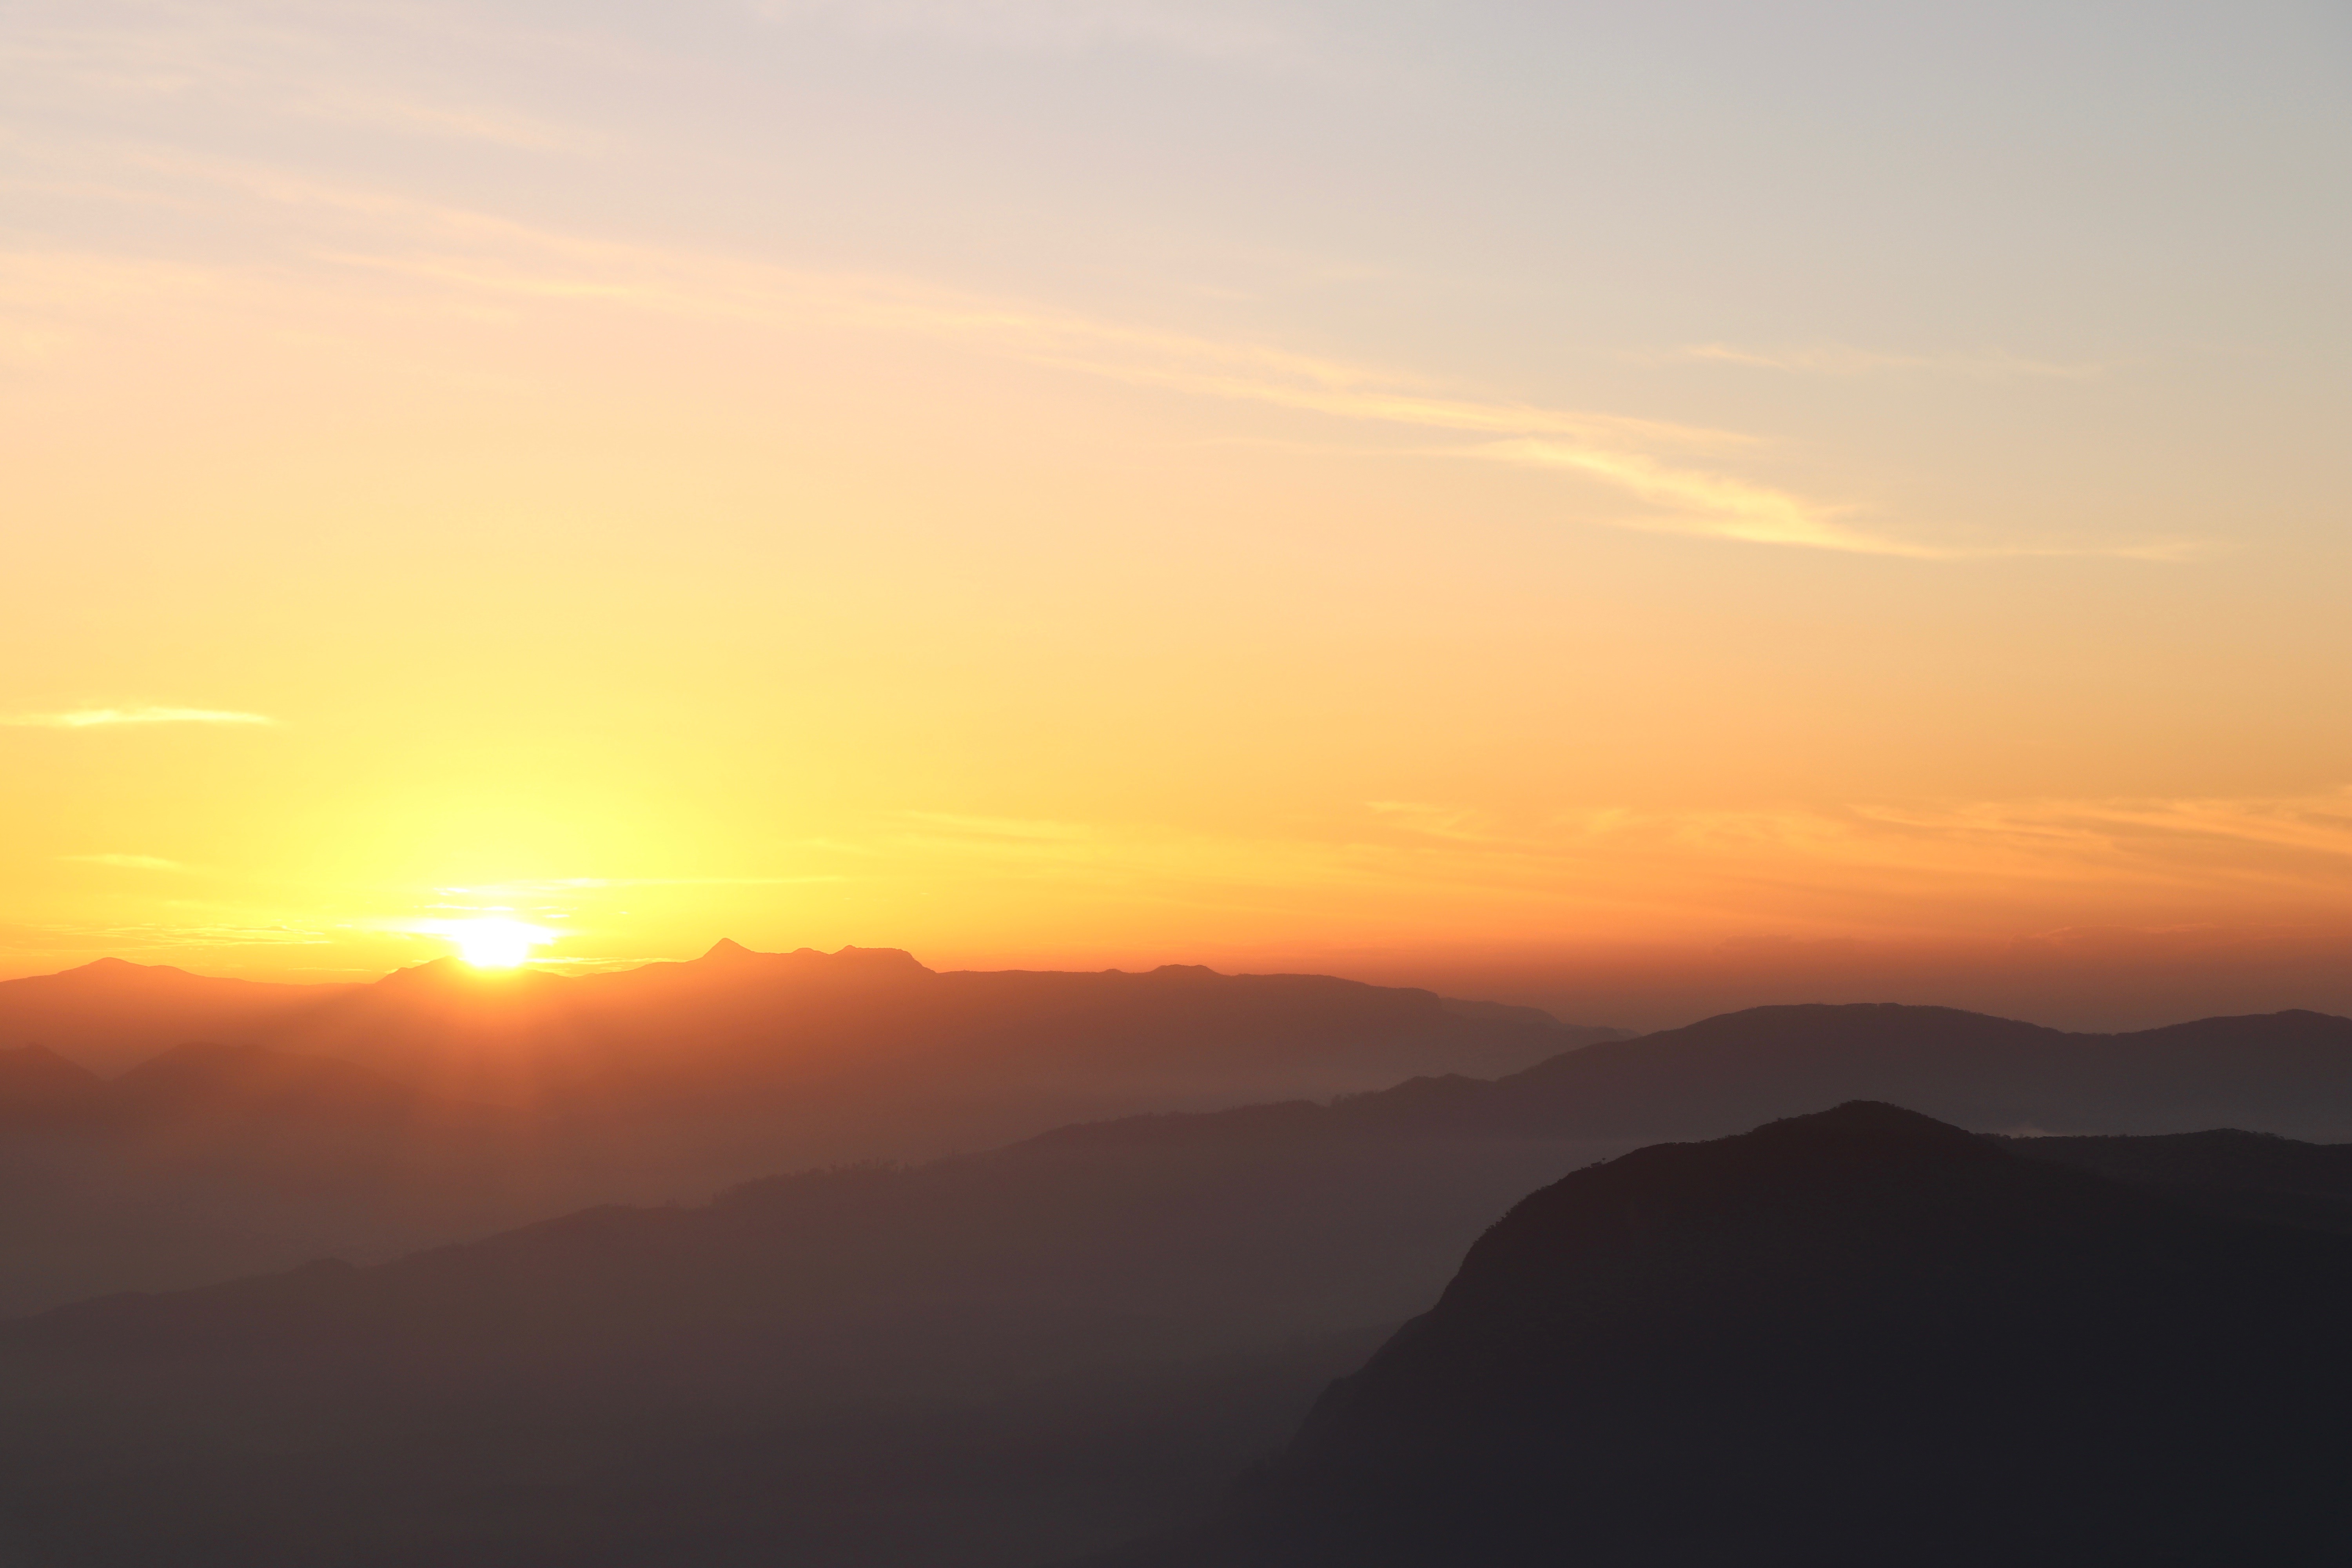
(906, 1060)
(1854, 1337)
(672, 1082)
(2289, 1073)
(110, 1014)
(735, 1023)
(984, 1360)
(992, 1359)
(471, 1100)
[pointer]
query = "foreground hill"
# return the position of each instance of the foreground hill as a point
(991, 1361)
(1860, 1336)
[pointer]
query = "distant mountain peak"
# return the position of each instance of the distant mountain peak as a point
(1870, 1118)
(452, 972)
(888, 961)
(725, 949)
(113, 968)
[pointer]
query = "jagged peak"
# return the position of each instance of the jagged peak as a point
(728, 952)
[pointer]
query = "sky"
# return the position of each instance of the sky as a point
(1637, 507)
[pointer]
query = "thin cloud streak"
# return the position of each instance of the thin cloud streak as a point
(1709, 504)
(1615, 449)
(1838, 359)
(478, 254)
(127, 862)
(94, 717)
(1229, 32)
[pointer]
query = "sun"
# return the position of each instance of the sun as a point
(494, 943)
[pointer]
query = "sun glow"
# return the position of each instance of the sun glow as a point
(495, 943)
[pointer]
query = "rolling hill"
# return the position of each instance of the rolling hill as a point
(1858, 1336)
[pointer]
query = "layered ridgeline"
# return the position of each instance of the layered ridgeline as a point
(247, 1126)
(2289, 1073)
(1855, 1337)
(733, 1017)
(442, 1103)
(994, 1359)
(1011, 1358)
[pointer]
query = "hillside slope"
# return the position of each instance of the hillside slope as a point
(1858, 1336)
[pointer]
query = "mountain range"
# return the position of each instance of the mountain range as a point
(980, 1361)
(991, 1360)
(528, 1037)
(445, 1101)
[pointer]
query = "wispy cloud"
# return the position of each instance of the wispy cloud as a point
(1230, 30)
(127, 862)
(1840, 359)
(1647, 460)
(1691, 500)
(94, 717)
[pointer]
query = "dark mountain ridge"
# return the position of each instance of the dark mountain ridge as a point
(2288, 1072)
(1860, 1336)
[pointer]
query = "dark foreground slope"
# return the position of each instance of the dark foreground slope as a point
(1855, 1337)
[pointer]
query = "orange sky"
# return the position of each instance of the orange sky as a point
(1100, 483)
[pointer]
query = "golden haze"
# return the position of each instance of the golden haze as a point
(395, 540)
